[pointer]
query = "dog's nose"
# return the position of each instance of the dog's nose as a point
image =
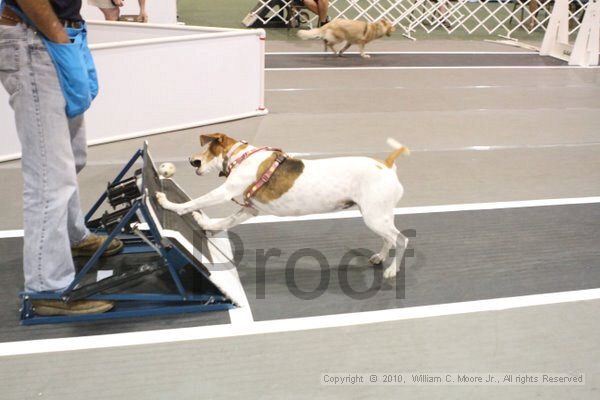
(196, 163)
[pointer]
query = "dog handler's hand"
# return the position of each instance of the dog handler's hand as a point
(61, 37)
(43, 16)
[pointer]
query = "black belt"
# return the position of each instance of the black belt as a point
(10, 15)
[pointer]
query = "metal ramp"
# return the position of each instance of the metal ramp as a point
(168, 264)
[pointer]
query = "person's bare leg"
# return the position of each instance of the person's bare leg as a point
(111, 14)
(533, 9)
(312, 6)
(319, 7)
(143, 13)
(323, 9)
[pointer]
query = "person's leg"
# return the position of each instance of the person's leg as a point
(48, 167)
(109, 8)
(143, 13)
(319, 7)
(312, 6)
(83, 243)
(111, 14)
(76, 225)
(323, 9)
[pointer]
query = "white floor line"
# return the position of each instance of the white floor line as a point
(431, 67)
(11, 233)
(261, 219)
(405, 211)
(243, 314)
(290, 325)
(294, 53)
(457, 87)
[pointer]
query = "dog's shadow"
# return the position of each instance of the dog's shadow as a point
(358, 277)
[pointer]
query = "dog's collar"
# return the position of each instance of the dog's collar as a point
(235, 147)
(227, 168)
(224, 171)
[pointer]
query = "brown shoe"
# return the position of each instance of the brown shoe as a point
(92, 243)
(80, 307)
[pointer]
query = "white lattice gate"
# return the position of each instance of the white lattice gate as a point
(491, 17)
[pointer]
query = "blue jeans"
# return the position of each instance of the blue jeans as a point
(54, 151)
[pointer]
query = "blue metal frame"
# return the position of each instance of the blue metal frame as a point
(132, 305)
(118, 178)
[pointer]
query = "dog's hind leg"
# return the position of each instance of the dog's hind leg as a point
(331, 46)
(346, 47)
(221, 224)
(383, 225)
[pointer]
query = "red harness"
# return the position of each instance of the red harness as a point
(256, 186)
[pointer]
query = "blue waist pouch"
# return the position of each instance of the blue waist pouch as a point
(76, 70)
(74, 65)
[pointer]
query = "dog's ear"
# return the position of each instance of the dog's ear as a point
(204, 139)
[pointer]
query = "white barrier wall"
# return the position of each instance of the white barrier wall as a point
(175, 78)
(159, 11)
(10, 148)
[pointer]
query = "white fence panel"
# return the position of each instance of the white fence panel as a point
(491, 17)
(175, 78)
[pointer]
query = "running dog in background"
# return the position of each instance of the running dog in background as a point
(288, 186)
(349, 31)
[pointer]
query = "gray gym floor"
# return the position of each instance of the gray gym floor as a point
(477, 135)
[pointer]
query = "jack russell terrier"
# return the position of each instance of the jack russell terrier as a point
(271, 182)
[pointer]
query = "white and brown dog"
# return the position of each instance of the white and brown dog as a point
(299, 187)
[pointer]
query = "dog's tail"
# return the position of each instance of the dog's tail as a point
(399, 149)
(316, 33)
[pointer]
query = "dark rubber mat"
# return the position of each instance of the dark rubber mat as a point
(452, 257)
(458, 256)
(274, 61)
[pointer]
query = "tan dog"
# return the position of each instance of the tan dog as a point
(349, 31)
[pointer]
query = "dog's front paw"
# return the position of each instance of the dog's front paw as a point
(390, 272)
(365, 56)
(162, 199)
(376, 259)
(200, 219)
